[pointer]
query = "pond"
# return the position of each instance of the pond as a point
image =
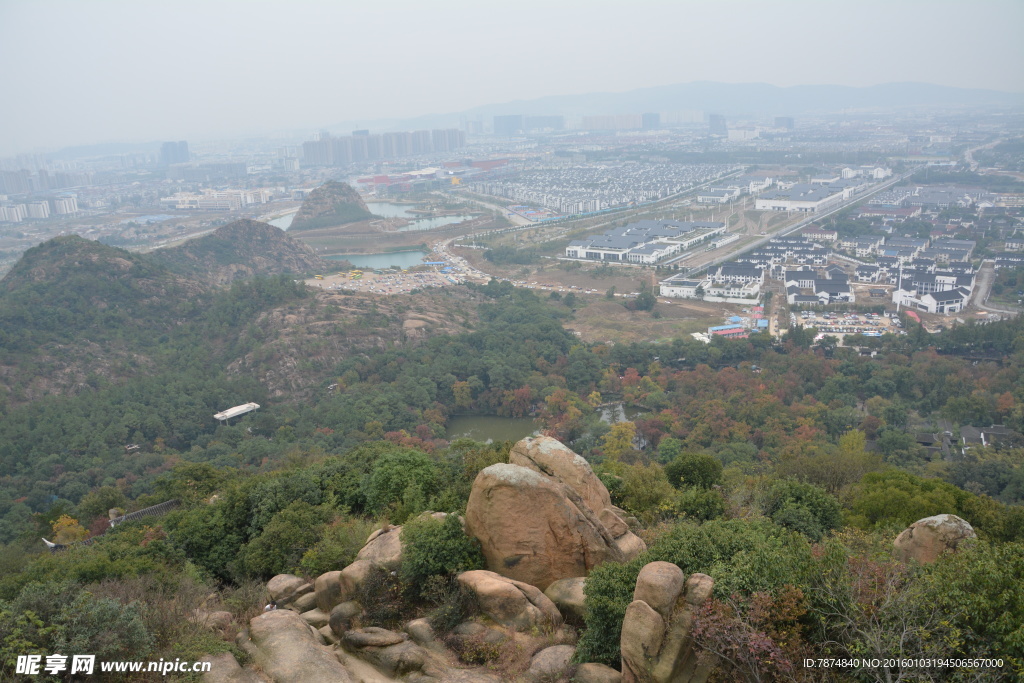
(487, 428)
(403, 259)
(389, 210)
(619, 412)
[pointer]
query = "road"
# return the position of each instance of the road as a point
(983, 287)
(797, 226)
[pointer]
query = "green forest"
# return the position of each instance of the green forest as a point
(783, 469)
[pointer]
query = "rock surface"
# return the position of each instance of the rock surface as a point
(509, 602)
(286, 650)
(285, 588)
(596, 673)
(332, 588)
(224, 668)
(383, 546)
(567, 594)
(535, 522)
(656, 643)
(926, 539)
(551, 663)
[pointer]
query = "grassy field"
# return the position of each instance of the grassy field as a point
(602, 320)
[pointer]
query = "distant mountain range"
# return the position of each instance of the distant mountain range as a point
(729, 99)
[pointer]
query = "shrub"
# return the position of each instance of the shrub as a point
(432, 547)
(398, 473)
(803, 507)
(284, 540)
(694, 469)
(453, 604)
(384, 597)
(742, 557)
(341, 541)
(698, 503)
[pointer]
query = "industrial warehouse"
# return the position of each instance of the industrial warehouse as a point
(645, 242)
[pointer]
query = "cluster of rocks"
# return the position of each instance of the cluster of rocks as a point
(543, 520)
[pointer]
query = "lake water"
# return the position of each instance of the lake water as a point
(487, 428)
(284, 222)
(403, 259)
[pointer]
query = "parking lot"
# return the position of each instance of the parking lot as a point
(844, 324)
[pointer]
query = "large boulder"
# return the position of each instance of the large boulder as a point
(535, 522)
(926, 539)
(568, 596)
(286, 650)
(384, 546)
(285, 588)
(657, 645)
(551, 663)
(509, 602)
(332, 588)
(556, 460)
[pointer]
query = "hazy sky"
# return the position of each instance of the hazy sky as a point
(79, 72)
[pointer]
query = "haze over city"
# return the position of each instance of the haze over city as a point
(128, 71)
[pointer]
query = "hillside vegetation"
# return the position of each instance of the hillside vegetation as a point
(240, 250)
(782, 470)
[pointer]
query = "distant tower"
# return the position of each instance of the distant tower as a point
(784, 122)
(716, 125)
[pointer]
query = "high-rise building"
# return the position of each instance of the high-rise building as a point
(651, 121)
(421, 142)
(785, 122)
(174, 153)
(716, 125)
(544, 122)
(507, 126)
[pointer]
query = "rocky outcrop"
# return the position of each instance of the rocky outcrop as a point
(510, 603)
(285, 648)
(547, 518)
(926, 539)
(331, 204)
(657, 645)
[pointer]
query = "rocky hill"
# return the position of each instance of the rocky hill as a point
(239, 250)
(331, 204)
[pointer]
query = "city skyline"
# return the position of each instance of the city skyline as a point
(125, 71)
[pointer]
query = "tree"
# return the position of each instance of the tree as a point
(802, 507)
(610, 294)
(619, 440)
(67, 530)
(694, 469)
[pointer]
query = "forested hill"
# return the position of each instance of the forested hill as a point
(70, 289)
(331, 204)
(240, 250)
